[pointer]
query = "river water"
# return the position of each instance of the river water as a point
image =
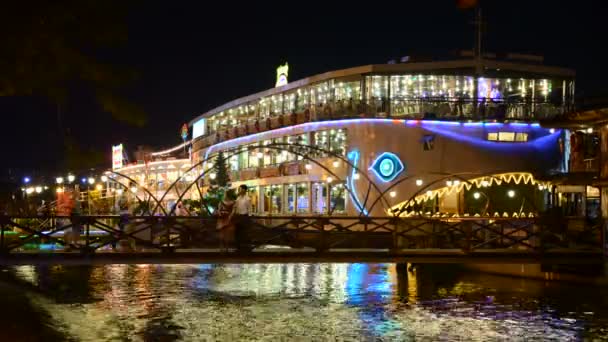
(284, 302)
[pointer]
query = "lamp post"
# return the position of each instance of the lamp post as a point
(477, 195)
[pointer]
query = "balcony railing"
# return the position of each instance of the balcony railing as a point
(398, 108)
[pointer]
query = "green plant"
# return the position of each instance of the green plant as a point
(221, 170)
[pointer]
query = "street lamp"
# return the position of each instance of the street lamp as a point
(71, 178)
(477, 195)
(26, 180)
(38, 189)
(104, 178)
(59, 180)
(91, 180)
(511, 193)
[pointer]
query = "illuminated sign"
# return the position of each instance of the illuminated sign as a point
(387, 166)
(116, 157)
(199, 128)
(282, 72)
(184, 132)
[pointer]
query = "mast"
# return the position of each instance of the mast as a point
(478, 59)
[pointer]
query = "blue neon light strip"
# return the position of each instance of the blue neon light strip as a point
(354, 157)
(321, 124)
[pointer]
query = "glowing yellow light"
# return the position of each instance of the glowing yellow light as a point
(212, 175)
(104, 178)
(511, 193)
(308, 166)
(356, 176)
(329, 179)
(98, 187)
(393, 194)
(418, 182)
(336, 163)
(59, 180)
(476, 195)
(59, 190)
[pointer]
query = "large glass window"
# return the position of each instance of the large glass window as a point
(303, 197)
(268, 154)
(337, 198)
(302, 99)
(234, 162)
(290, 191)
(243, 158)
(302, 139)
(319, 198)
(275, 196)
(337, 141)
(253, 155)
(377, 95)
(252, 191)
(321, 140)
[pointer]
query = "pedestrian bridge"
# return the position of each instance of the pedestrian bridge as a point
(190, 239)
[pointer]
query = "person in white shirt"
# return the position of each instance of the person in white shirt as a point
(240, 215)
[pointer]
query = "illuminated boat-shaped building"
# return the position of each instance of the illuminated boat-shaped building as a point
(448, 138)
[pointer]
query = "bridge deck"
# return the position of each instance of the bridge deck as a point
(282, 255)
(304, 239)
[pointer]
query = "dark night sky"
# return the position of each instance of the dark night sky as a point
(192, 57)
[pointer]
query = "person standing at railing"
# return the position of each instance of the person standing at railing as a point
(225, 224)
(240, 217)
(123, 220)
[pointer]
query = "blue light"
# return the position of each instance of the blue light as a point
(354, 157)
(26, 180)
(83, 180)
(387, 166)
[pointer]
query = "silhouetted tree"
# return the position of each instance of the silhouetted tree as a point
(221, 170)
(50, 47)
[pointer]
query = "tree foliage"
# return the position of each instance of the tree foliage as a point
(50, 47)
(221, 170)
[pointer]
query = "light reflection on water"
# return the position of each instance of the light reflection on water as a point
(304, 302)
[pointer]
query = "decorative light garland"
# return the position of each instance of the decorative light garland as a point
(480, 182)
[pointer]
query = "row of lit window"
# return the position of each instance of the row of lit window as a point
(255, 155)
(418, 86)
(299, 198)
(508, 136)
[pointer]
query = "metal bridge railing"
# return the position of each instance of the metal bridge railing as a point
(88, 234)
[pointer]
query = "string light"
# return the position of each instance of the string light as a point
(486, 181)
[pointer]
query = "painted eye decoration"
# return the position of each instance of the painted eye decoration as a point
(387, 166)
